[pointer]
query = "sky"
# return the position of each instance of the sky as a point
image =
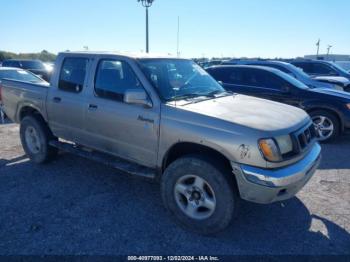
(235, 28)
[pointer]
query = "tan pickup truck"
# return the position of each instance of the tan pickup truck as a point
(167, 119)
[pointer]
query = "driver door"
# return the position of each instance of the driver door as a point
(129, 131)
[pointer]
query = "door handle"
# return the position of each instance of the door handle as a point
(57, 99)
(93, 107)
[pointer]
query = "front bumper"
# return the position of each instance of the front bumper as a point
(269, 185)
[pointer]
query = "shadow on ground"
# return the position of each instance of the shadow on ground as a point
(336, 155)
(73, 206)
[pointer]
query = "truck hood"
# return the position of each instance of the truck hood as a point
(251, 112)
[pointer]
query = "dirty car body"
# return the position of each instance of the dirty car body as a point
(168, 109)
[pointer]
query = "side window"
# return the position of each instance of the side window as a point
(235, 77)
(221, 74)
(113, 78)
(252, 77)
(275, 82)
(72, 74)
(322, 69)
(306, 67)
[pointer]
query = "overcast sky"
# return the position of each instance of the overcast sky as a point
(252, 28)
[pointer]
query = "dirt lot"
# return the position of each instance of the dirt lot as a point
(74, 206)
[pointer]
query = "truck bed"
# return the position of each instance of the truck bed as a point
(16, 94)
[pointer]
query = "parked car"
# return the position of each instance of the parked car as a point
(328, 108)
(344, 64)
(35, 66)
(20, 75)
(167, 119)
(317, 68)
(291, 70)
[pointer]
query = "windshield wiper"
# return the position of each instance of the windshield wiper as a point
(184, 96)
(219, 93)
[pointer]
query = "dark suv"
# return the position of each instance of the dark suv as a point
(35, 66)
(319, 68)
(328, 108)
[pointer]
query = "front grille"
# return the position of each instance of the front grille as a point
(306, 136)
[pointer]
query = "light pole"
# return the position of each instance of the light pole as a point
(318, 47)
(146, 4)
(328, 49)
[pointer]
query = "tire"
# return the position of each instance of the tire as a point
(188, 169)
(35, 137)
(347, 88)
(327, 120)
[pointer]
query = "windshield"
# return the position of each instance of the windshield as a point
(292, 80)
(32, 65)
(179, 78)
(20, 75)
(339, 68)
(344, 64)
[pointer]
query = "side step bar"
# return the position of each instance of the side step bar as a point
(111, 161)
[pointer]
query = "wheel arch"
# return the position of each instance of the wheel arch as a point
(329, 110)
(188, 148)
(29, 109)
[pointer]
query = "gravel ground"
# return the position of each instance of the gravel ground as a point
(75, 206)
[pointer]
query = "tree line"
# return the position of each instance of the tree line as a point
(44, 56)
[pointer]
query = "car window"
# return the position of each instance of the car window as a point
(175, 79)
(306, 67)
(113, 78)
(263, 79)
(11, 64)
(72, 74)
(32, 64)
(221, 74)
(20, 75)
(322, 69)
(281, 68)
(253, 77)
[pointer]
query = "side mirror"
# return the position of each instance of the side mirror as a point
(221, 83)
(137, 97)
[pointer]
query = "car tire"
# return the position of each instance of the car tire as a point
(35, 137)
(210, 211)
(324, 120)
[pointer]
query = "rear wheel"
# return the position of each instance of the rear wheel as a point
(326, 124)
(35, 137)
(199, 194)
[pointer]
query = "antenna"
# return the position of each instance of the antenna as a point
(178, 36)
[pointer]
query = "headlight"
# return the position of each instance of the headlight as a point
(285, 144)
(270, 150)
(273, 149)
(338, 87)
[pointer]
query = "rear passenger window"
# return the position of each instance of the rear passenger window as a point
(113, 78)
(322, 69)
(72, 74)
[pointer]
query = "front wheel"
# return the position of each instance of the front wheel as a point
(326, 124)
(199, 194)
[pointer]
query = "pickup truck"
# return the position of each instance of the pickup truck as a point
(165, 118)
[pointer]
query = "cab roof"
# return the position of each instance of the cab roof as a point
(134, 55)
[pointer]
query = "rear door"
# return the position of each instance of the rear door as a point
(113, 126)
(66, 101)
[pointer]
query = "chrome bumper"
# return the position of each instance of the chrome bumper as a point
(269, 185)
